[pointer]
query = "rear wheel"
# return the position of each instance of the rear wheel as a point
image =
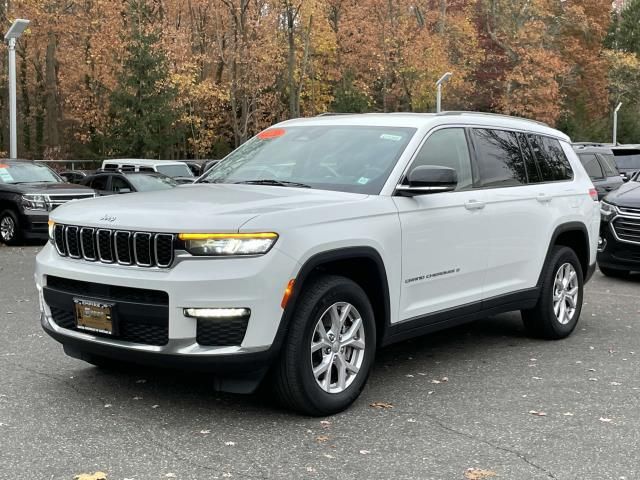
(10, 233)
(558, 310)
(614, 272)
(329, 350)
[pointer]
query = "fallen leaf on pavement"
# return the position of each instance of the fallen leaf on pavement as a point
(615, 384)
(605, 420)
(365, 452)
(537, 414)
(205, 432)
(230, 444)
(381, 405)
(322, 439)
(325, 423)
(91, 476)
(479, 474)
(568, 414)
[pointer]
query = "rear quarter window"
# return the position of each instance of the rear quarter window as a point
(591, 165)
(553, 163)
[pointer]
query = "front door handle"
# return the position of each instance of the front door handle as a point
(544, 198)
(474, 205)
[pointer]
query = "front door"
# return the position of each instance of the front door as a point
(444, 245)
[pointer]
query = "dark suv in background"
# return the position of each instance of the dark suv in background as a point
(28, 192)
(599, 162)
(619, 246)
(109, 183)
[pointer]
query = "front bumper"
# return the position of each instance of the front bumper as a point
(34, 224)
(617, 254)
(256, 283)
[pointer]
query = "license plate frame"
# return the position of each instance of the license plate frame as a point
(95, 316)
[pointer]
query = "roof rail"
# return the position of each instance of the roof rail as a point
(489, 114)
(332, 114)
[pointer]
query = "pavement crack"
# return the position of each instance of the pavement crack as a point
(489, 443)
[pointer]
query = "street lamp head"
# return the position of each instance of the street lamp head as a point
(618, 107)
(444, 79)
(17, 28)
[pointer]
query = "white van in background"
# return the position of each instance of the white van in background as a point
(177, 170)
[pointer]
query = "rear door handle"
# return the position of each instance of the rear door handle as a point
(544, 198)
(474, 205)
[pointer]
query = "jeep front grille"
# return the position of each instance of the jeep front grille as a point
(627, 229)
(123, 247)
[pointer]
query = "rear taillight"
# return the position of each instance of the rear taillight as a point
(593, 193)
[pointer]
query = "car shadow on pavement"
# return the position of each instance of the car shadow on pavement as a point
(196, 391)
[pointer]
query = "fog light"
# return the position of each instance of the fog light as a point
(602, 244)
(216, 312)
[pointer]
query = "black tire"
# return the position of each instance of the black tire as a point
(294, 382)
(541, 321)
(614, 272)
(16, 237)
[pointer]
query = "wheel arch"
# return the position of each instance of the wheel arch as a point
(574, 235)
(363, 265)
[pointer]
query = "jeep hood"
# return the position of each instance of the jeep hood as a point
(195, 208)
(628, 195)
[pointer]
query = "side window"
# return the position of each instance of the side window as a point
(533, 172)
(119, 184)
(552, 161)
(447, 148)
(110, 166)
(128, 168)
(100, 183)
(608, 163)
(500, 161)
(591, 165)
(146, 169)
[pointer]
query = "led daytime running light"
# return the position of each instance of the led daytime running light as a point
(218, 236)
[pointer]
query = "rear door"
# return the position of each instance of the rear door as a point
(517, 210)
(444, 239)
(613, 180)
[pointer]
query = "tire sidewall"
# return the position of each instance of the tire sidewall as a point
(16, 227)
(562, 256)
(321, 400)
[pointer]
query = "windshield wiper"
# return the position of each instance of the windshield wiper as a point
(275, 183)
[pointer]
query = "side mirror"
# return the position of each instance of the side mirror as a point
(625, 177)
(428, 179)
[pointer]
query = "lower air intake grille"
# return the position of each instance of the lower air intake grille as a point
(221, 332)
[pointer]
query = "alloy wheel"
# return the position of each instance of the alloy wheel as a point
(7, 228)
(337, 347)
(565, 293)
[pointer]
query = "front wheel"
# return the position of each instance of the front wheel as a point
(330, 348)
(558, 310)
(10, 233)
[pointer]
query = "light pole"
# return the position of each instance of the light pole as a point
(444, 79)
(11, 37)
(615, 124)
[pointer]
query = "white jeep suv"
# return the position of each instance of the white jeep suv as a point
(319, 241)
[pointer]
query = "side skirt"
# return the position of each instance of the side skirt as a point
(443, 319)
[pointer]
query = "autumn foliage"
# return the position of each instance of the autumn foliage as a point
(225, 69)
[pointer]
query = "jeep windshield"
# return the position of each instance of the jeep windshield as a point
(343, 158)
(26, 172)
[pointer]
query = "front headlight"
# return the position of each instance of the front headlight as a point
(35, 202)
(52, 226)
(607, 211)
(223, 244)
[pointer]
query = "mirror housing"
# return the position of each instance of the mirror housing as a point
(428, 179)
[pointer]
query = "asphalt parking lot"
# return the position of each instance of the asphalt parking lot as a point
(482, 397)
